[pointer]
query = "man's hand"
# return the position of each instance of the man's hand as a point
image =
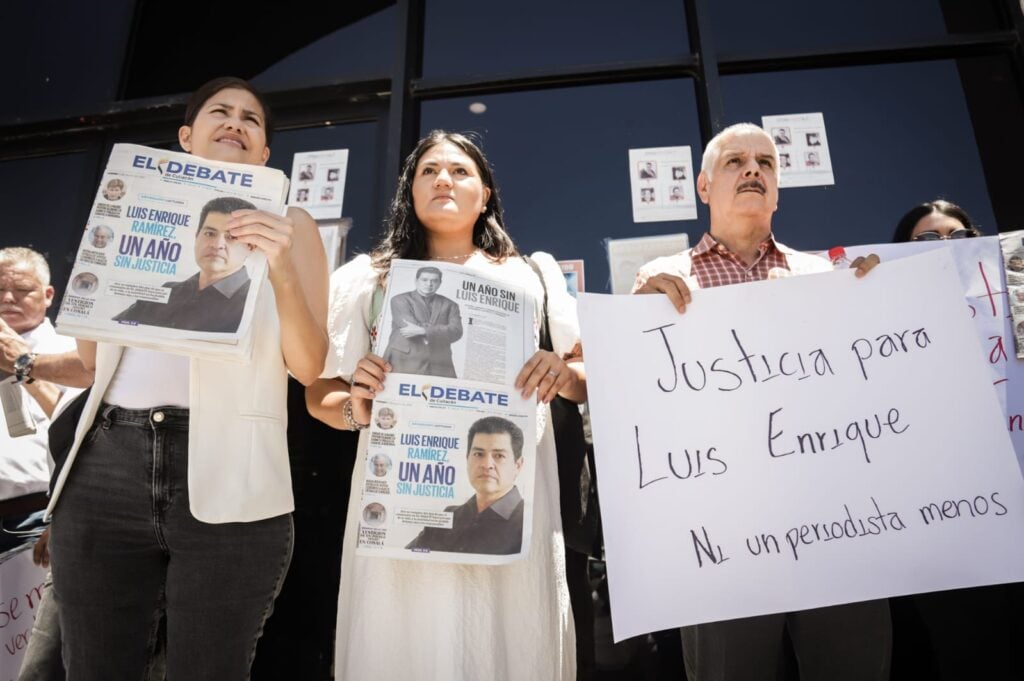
(411, 330)
(864, 264)
(41, 551)
(11, 347)
(669, 284)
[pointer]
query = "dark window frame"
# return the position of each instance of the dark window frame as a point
(398, 101)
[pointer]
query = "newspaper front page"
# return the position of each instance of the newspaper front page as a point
(156, 268)
(449, 471)
(1012, 246)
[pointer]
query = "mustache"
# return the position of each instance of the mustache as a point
(752, 184)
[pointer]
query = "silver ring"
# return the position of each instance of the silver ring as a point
(552, 373)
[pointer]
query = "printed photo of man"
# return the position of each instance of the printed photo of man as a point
(648, 170)
(491, 521)
(424, 324)
(100, 236)
(213, 299)
(380, 465)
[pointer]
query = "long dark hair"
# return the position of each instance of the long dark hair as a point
(905, 227)
(405, 237)
(210, 88)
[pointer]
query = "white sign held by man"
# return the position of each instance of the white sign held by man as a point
(789, 445)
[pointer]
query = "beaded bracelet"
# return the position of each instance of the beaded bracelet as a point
(350, 419)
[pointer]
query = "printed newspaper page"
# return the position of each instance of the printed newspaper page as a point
(1012, 246)
(449, 471)
(156, 268)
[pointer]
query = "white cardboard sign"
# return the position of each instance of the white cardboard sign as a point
(797, 443)
(21, 588)
(980, 264)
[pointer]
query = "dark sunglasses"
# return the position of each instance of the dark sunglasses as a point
(955, 234)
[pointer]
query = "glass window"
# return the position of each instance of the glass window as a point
(64, 64)
(362, 200)
(561, 160)
(898, 135)
(466, 38)
(995, 101)
(53, 199)
(359, 51)
(747, 26)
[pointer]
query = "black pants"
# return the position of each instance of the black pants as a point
(850, 642)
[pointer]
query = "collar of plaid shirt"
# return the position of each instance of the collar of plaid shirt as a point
(715, 265)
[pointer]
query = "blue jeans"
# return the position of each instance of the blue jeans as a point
(125, 550)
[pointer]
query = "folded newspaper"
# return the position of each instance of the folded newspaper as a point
(15, 407)
(1012, 246)
(449, 470)
(156, 268)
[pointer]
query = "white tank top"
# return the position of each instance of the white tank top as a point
(147, 378)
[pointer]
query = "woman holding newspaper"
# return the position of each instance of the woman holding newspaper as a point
(137, 532)
(418, 619)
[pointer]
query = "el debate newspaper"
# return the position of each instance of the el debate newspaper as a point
(448, 475)
(156, 267)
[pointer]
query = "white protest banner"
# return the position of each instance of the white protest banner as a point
(797, 443)
(21, 587)
(979, 263)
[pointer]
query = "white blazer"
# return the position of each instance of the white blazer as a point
(238, 467)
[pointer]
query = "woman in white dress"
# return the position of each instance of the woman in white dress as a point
(398, 619)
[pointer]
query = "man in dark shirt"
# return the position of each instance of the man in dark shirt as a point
(214, 298)
(424, 324)
(492, 520)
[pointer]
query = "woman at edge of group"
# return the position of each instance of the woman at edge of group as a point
(406, 619)
(179, 500)
(934, 220)
(958, 633)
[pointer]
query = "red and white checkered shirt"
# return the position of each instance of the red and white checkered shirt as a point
(710, 264)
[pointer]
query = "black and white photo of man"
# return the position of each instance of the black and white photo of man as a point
(424, 324)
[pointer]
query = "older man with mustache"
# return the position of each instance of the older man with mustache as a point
(739, 182)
